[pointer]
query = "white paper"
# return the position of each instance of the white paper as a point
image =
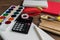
(32, 34)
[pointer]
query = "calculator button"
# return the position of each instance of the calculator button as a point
(16, 24)
(19, 29)
(29, 24)
(22, 25)
(13, 28)
(19, 25)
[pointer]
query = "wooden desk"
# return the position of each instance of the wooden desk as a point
(4, 4)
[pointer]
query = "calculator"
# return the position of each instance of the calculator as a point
(23, 23)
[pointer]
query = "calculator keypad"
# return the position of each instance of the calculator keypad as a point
(21, 27)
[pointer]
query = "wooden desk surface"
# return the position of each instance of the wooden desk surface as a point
(4, 4)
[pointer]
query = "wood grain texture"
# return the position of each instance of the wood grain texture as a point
(51, 26)
(4, 4)
(54, 25)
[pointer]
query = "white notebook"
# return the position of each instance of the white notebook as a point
(32, 34)
(35, 3)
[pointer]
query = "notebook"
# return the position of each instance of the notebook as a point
(53, 8)
(35, 3)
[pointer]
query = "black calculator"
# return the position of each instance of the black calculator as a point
(22, 25)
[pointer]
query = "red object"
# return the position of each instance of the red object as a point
(53, 8)
(7, 22)
(10, 19)
(32, 11)
(2, 17)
